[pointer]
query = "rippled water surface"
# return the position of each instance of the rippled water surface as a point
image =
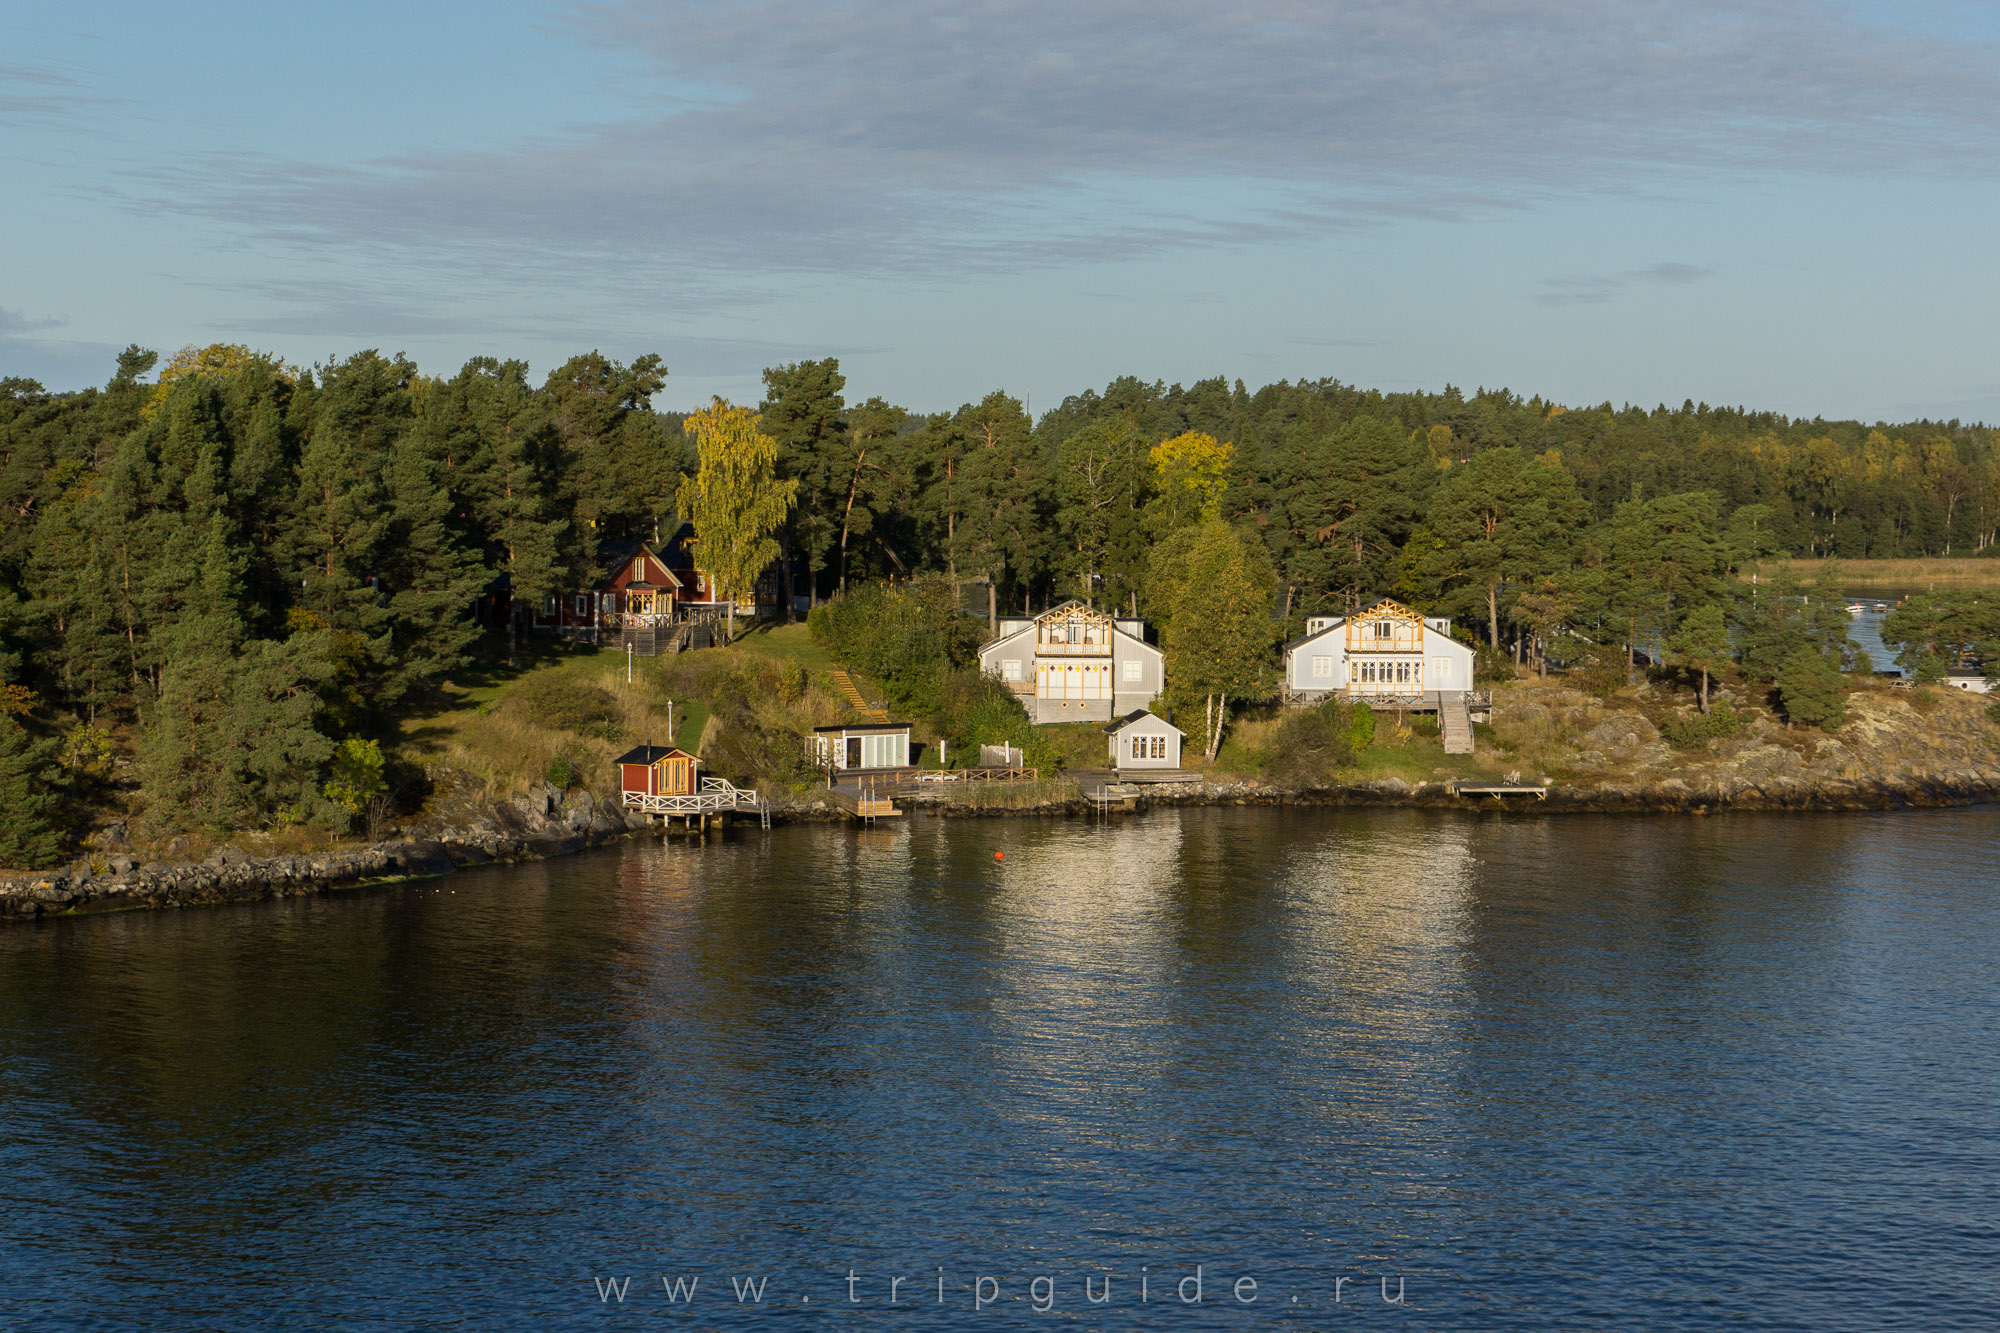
(1572, 1073)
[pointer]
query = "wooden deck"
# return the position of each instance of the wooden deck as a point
(1499, 790)
(717, 796)
(864, 802)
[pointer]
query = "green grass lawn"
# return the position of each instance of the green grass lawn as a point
(689, 719)
(786, 643)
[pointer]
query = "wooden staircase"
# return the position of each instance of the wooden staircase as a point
(851, 692)
(1455, 720)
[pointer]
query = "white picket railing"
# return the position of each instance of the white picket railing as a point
(716, 794)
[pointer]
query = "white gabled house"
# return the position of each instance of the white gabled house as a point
(1387, 653)
(1141, 741)
(1075, 664)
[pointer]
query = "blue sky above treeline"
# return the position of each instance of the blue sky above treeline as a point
(1780, 203)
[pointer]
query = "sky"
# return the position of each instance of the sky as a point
(1783, 204)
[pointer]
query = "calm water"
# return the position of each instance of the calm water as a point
(1548, 1074)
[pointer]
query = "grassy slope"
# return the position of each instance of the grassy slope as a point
(483, 732)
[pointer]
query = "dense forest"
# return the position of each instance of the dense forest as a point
(240, 572)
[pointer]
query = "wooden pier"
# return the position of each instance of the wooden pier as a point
(716, 796)
(1500, 790)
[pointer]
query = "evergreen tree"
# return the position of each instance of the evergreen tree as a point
(804, 413)
(1812, 690)
(880, 481)
(1702, 642)
(997, 497)
(1103, 482)
(30, 837)
(1505, 518)
(493, 439)
(1344, 504)
(1948, 628)
(230, 741)
(618, 461)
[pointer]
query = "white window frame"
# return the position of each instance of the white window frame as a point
(1134, 669)
(1322, 667)
(1010, 668)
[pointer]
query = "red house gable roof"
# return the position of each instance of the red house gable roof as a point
(644, 566)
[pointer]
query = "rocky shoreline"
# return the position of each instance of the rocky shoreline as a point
(461, 831)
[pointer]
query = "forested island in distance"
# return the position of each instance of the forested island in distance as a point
(237, 597)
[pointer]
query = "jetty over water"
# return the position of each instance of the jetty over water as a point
(714, 796)
(1500, 790)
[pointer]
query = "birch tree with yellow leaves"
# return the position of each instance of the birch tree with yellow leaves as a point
(735, 499)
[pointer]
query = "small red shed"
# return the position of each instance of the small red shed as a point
(658, 770)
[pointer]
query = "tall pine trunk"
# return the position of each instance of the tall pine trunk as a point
(1493, 613)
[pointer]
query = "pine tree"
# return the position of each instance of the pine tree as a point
(804, 413)
(29, 803)
(1812, 690)
(618, 462)
(997, 495)
(1702, 642)
(500, 459)
(1504, 519)
(1103, 480)
(428, 575)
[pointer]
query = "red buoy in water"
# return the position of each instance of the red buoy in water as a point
(999, 856)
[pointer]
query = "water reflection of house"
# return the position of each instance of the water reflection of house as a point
(1075, 664)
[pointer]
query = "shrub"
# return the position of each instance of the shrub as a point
(792, 681)
(909, 637)
(1685, 731)
(758, 754)
(562, 773)
(1603, 671)
(560, 701)
(356, 782)
(1722, 719)
(1360, 727)
(976, 710)
(1314, 743)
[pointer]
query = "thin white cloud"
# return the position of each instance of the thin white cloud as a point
(1598, 288)
(30, 95)
(888, 138)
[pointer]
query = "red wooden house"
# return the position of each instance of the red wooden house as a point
(656, 770)
(641, 588)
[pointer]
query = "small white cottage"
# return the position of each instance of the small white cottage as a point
(1387, 653)
(862, 745)
(1075, 664)
(1973, 682)
(1143, 741)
